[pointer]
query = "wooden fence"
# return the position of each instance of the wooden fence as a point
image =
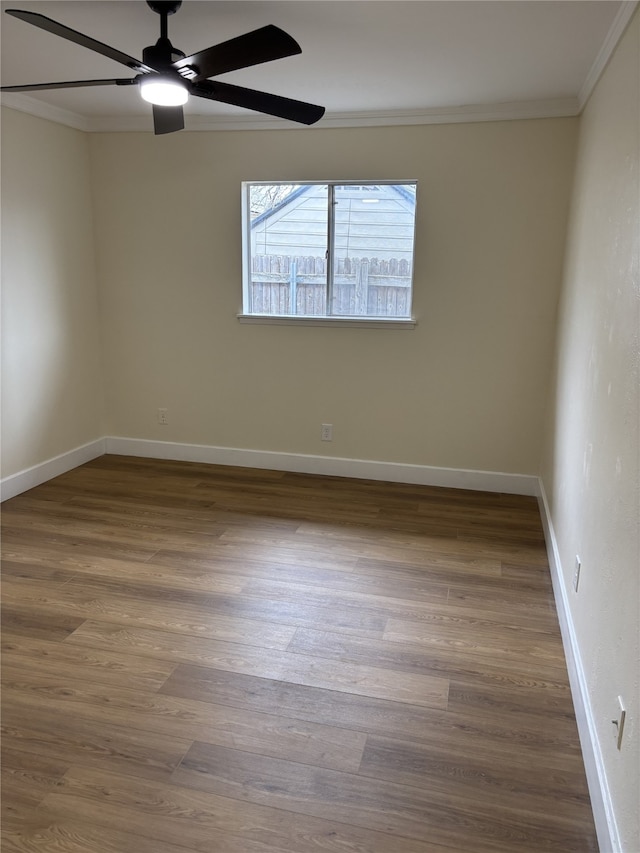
(288, 284)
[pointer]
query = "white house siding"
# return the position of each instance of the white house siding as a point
(371, 221)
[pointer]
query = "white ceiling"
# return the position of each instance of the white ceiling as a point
(366, 61)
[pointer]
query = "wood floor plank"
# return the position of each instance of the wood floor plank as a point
(266, 734)
(52, 734)
(508, 722)
(105, 515)
(29, 567)
(312, 568)
(63, 569)
(387, 807)
(527, 574)
(500, 597)
(43, 834)
(100, 531)
(19, 617)
(319, 596)
(440, 540)
(206, 658)
(406, 551)
(481, 700)
(92, 664)
(360, 679)
(84, 598)
(147, 505)
(55, 735)
(26, 779)
(472, 638)
(427, 660)
(72, 542)
(463, 509)
(208, 611)
(452, 770)
(282, 555)
(194, 818)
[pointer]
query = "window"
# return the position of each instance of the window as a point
(328, 250)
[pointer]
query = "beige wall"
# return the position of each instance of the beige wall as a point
(592, 457)
(52, 393)
(465, 389)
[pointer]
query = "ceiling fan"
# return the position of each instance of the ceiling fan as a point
(167, 77)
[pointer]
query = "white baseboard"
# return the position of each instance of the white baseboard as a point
(601, 803)
(34, 476)
(455, 478)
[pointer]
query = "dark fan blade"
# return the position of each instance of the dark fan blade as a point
(262, 102)
(57, 29)
(261, 45)
(167, 119)
(70, 84)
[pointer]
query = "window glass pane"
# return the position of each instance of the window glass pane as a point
(373, 250)
(329, 250)
(288, 249)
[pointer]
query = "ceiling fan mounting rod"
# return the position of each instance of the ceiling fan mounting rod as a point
(164, 8)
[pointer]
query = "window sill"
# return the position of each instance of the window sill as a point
(348, 322)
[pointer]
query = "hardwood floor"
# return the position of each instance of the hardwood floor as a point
(226, 660)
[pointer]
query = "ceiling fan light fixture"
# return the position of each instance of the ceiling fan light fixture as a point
(163, 91)
(166, 76)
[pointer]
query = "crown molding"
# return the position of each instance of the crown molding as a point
(34, 107)
(510, 111)
(553, 108)
(617, 28)
(470, 113)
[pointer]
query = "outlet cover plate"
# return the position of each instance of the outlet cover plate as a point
(618, 723)
(326, 432)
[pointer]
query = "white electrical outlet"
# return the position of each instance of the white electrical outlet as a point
(326, 432)
(576, 573)
(163, 416)
(618, 723)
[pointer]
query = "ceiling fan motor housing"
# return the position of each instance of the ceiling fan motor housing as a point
(161, 55)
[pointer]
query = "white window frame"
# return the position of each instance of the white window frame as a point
(327, 319)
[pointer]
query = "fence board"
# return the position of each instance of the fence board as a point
(289, 285)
